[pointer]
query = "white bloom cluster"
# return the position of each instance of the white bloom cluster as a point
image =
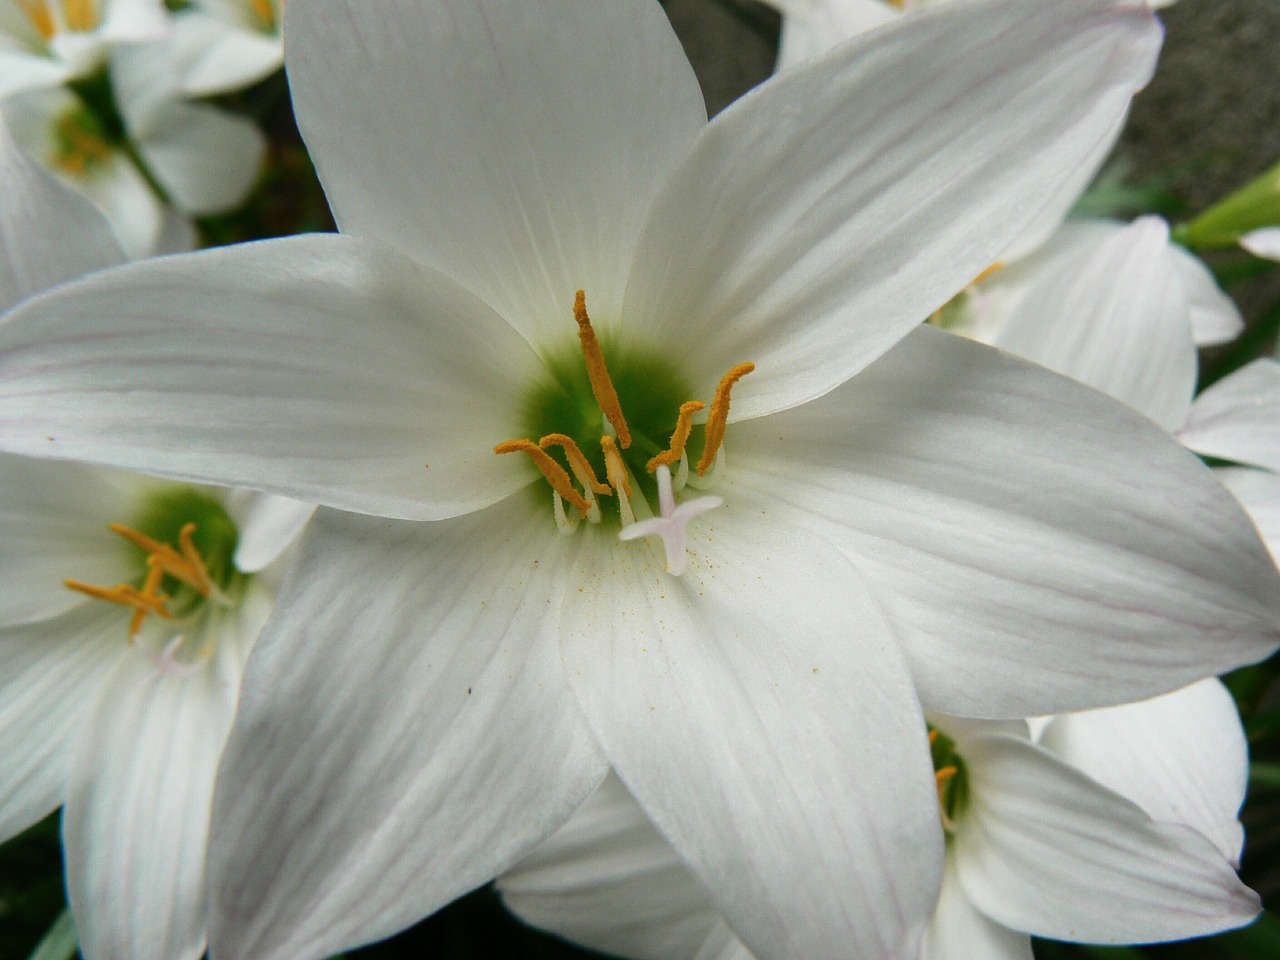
(677, 561)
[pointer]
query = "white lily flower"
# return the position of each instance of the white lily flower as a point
(1264, 242)
(1035, 846)
(205, 159)
(44, 43)
(488, 159)
(118, 710)
(224, 45)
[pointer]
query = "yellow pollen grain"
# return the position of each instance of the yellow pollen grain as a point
(577, 460)
(555, 474)
(37, 11)
(679, 436)
(81, 15)
(601, 384)
(719, 415)
(613, 465)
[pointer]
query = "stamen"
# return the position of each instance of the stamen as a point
(81, 15)
(990, 271)
(601, 384)
(679, 437)
(566, 523)
(617, 472)
(719, 415)
(37, 11)
(555, 474)
(143, 601)
(186, 566)
(942, 778)
(578, 462)
(263, 11)
(670, 525)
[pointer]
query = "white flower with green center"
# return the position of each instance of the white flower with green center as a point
(129, 609)
(224, 45)
(47, 42)
(452, 671)
(1120, 827)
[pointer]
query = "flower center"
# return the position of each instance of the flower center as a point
(180, 552)
(624, 410)
(80, 142)
(50, 17)
(951, 778)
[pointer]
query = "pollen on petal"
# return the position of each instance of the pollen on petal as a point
(556, 475)
(719, 416)
(598, 373)
(679, 437)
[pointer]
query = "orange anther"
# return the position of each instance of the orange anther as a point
(990, 271)
(719, 416)
(578, 462)
(613, 465)
(601, 384)
(81, 15)
(41, 18)
(933, 737)
(263, 10)
(186, 566)
(555, 474)
(679, 436)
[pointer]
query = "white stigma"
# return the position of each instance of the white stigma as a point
(670, 525)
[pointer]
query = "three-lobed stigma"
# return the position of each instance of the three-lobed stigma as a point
(582, 489)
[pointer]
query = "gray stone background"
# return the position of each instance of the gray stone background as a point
(1208, 123)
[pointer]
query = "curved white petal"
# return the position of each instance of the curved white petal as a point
(320, 367)
(21, 70)
(515, 146)
(48, 234)
(405, 731)
(134, 211)
(1046, 850)
(134, 20)
(49, 673)
(1115, 317)
(1259, 493)
(1238, 418)
(136, 822)
(608, 880)
(213, 56)
(1038, 547)
(759, 711)
(1215, 318)
(206, 159)
(1263, 243)
(811, 29)
(268, 526)
(817, 220)
(960, 931)
(53, 524)
(1182, 757)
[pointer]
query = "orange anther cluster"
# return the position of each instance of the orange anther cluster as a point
(162, 559)
(577, 461)
(679, 436)
(37, 11)
(719, 416)
(601, 384)
(555, 474)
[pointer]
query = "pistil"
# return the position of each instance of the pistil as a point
(670, 524)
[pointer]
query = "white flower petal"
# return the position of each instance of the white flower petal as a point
(20, 70)
(959, 931)
(1264, 242)
(819, 219)
(515, 147)
(982, 497)
(811, 29)
(1215, 318)
(134, 20)
(375, 720)
(49, 673)
(53, 524)
(206, 159)
(1259, 493)
(213, 56)
(48, 233)
(608, 880)
(122, 193)
(1044, 849)
(1238, 418)
(1182, 757)
(1115, 317)
(136, 822)
(320, 367)
(759, 711)
(268, 526)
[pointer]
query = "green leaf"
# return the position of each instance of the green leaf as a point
(1256, 204)
(60, 941)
